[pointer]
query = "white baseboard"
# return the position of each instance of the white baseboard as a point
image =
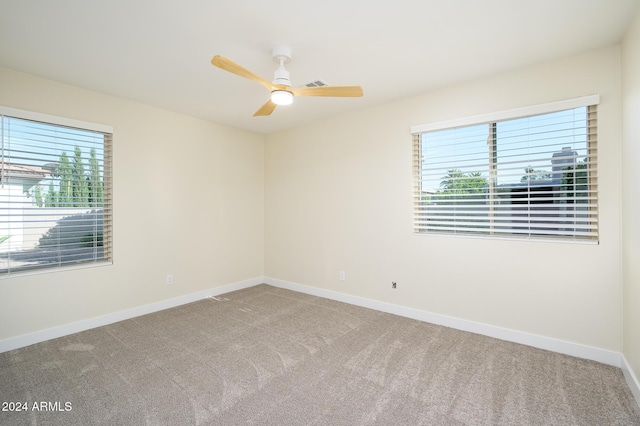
(569, 348)
(66, 329)
(631, 378)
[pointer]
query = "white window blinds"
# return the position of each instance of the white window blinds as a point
(531, 176)
(55, 193)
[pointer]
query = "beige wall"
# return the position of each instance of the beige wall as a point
(338, 197)
(188, 200)
(631, 194)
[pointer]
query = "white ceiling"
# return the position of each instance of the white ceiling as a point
(158, 51)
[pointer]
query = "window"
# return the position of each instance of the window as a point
(55, 192)
(528, 173)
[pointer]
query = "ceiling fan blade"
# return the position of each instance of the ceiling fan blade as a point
(337, 91)
(228, 65)
(265, 109)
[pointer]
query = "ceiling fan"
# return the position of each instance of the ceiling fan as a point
(280, 88)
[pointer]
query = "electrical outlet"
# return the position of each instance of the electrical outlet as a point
(169, 279)
(393, 284)
(343, 276)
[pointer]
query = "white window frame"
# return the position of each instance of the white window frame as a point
(107, 209)
(419, 196)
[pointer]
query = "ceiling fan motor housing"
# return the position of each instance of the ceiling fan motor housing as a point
(281, 76)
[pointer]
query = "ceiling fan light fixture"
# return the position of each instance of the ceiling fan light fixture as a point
(282, 97)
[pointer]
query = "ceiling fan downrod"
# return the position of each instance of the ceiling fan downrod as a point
(281, 55)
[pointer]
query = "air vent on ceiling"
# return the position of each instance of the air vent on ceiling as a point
(317, 83)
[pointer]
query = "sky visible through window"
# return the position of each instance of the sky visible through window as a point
(30, 143)
(520, 144)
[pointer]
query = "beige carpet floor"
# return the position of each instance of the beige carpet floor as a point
(268, 356)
